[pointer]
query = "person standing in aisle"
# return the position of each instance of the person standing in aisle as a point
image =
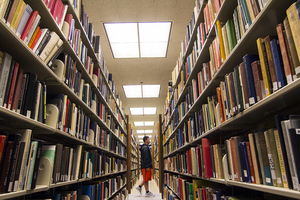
(146, 166)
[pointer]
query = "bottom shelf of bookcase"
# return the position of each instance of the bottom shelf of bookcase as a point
(173, 191)
(39, 188)
(116, 192)
(258, 187)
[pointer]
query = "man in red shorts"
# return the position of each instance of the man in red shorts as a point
(146, 165)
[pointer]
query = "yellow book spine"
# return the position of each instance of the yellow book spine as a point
(18, 14)
(263, 66)
(33, 36)
(250, 9)
(280, 158)
(292, 15)
(221, 42)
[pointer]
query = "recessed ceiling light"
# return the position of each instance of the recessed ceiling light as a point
(140, 136)
(136, 111)
(140, 131)
(141, 141)
(133, 91)
(138, 123)
(151, 91)
(143, 111)
(148, 131)
(149, 123)
(146, 123)
(139, 91)
(124, 39)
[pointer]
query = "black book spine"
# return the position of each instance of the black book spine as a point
(10, 75)
(9, 5)
(13, 163)
(34, 101)
(5, 167)
(19, 162)
(43, 43)
(36, 164)
(29, 94)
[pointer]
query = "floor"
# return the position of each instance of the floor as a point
(153, 187)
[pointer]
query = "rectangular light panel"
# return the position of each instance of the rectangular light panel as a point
(133, 91)
(149, 123)
(151, 91)
(136, 111)
(124, 39)
(138, 123)
(140, 131)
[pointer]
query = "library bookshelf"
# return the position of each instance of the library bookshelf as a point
(113, 128)
(184, 126)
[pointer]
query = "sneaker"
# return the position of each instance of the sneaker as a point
(150, 194)
(139, 189)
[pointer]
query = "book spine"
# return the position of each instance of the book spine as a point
(263, 66)
(278, 63)
(284, 53)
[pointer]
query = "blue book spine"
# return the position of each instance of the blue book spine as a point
(246, 161)
(248, 59)
(278, 63)
(242, 161)
(87, 190)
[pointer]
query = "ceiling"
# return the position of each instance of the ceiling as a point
(141, 70)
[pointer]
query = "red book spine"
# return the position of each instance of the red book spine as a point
(12, 86)
(17, 90)
(2, 142)
(250, 162)
(285, 57)
(36, 39)
(29, 24)
(206, 158)
(199, 162)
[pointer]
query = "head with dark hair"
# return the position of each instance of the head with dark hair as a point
(145, 138)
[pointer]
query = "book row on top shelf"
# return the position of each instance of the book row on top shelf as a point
(239, 72)
(81, 93)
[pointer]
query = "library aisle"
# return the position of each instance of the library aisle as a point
(153, 188)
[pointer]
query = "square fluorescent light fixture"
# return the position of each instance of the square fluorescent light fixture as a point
(146, 123)
(136, 111)
(138, 40)
(149, 110)
(141, 91)
(148, 131)
(151, 91)
(140, 131)
(138, 123)
(141, 141)
(140, 136)
(143, 111)
(133, 91)
(149, 123)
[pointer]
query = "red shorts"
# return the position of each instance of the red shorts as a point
(146, 175)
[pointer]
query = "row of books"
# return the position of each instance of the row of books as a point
(44, 43)
(255, 78)
(70, 118)
(268, 157)
(185, 188)
(23, 93)
(23, 161)
(20, 91)
(220, 48)
(93, 190)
